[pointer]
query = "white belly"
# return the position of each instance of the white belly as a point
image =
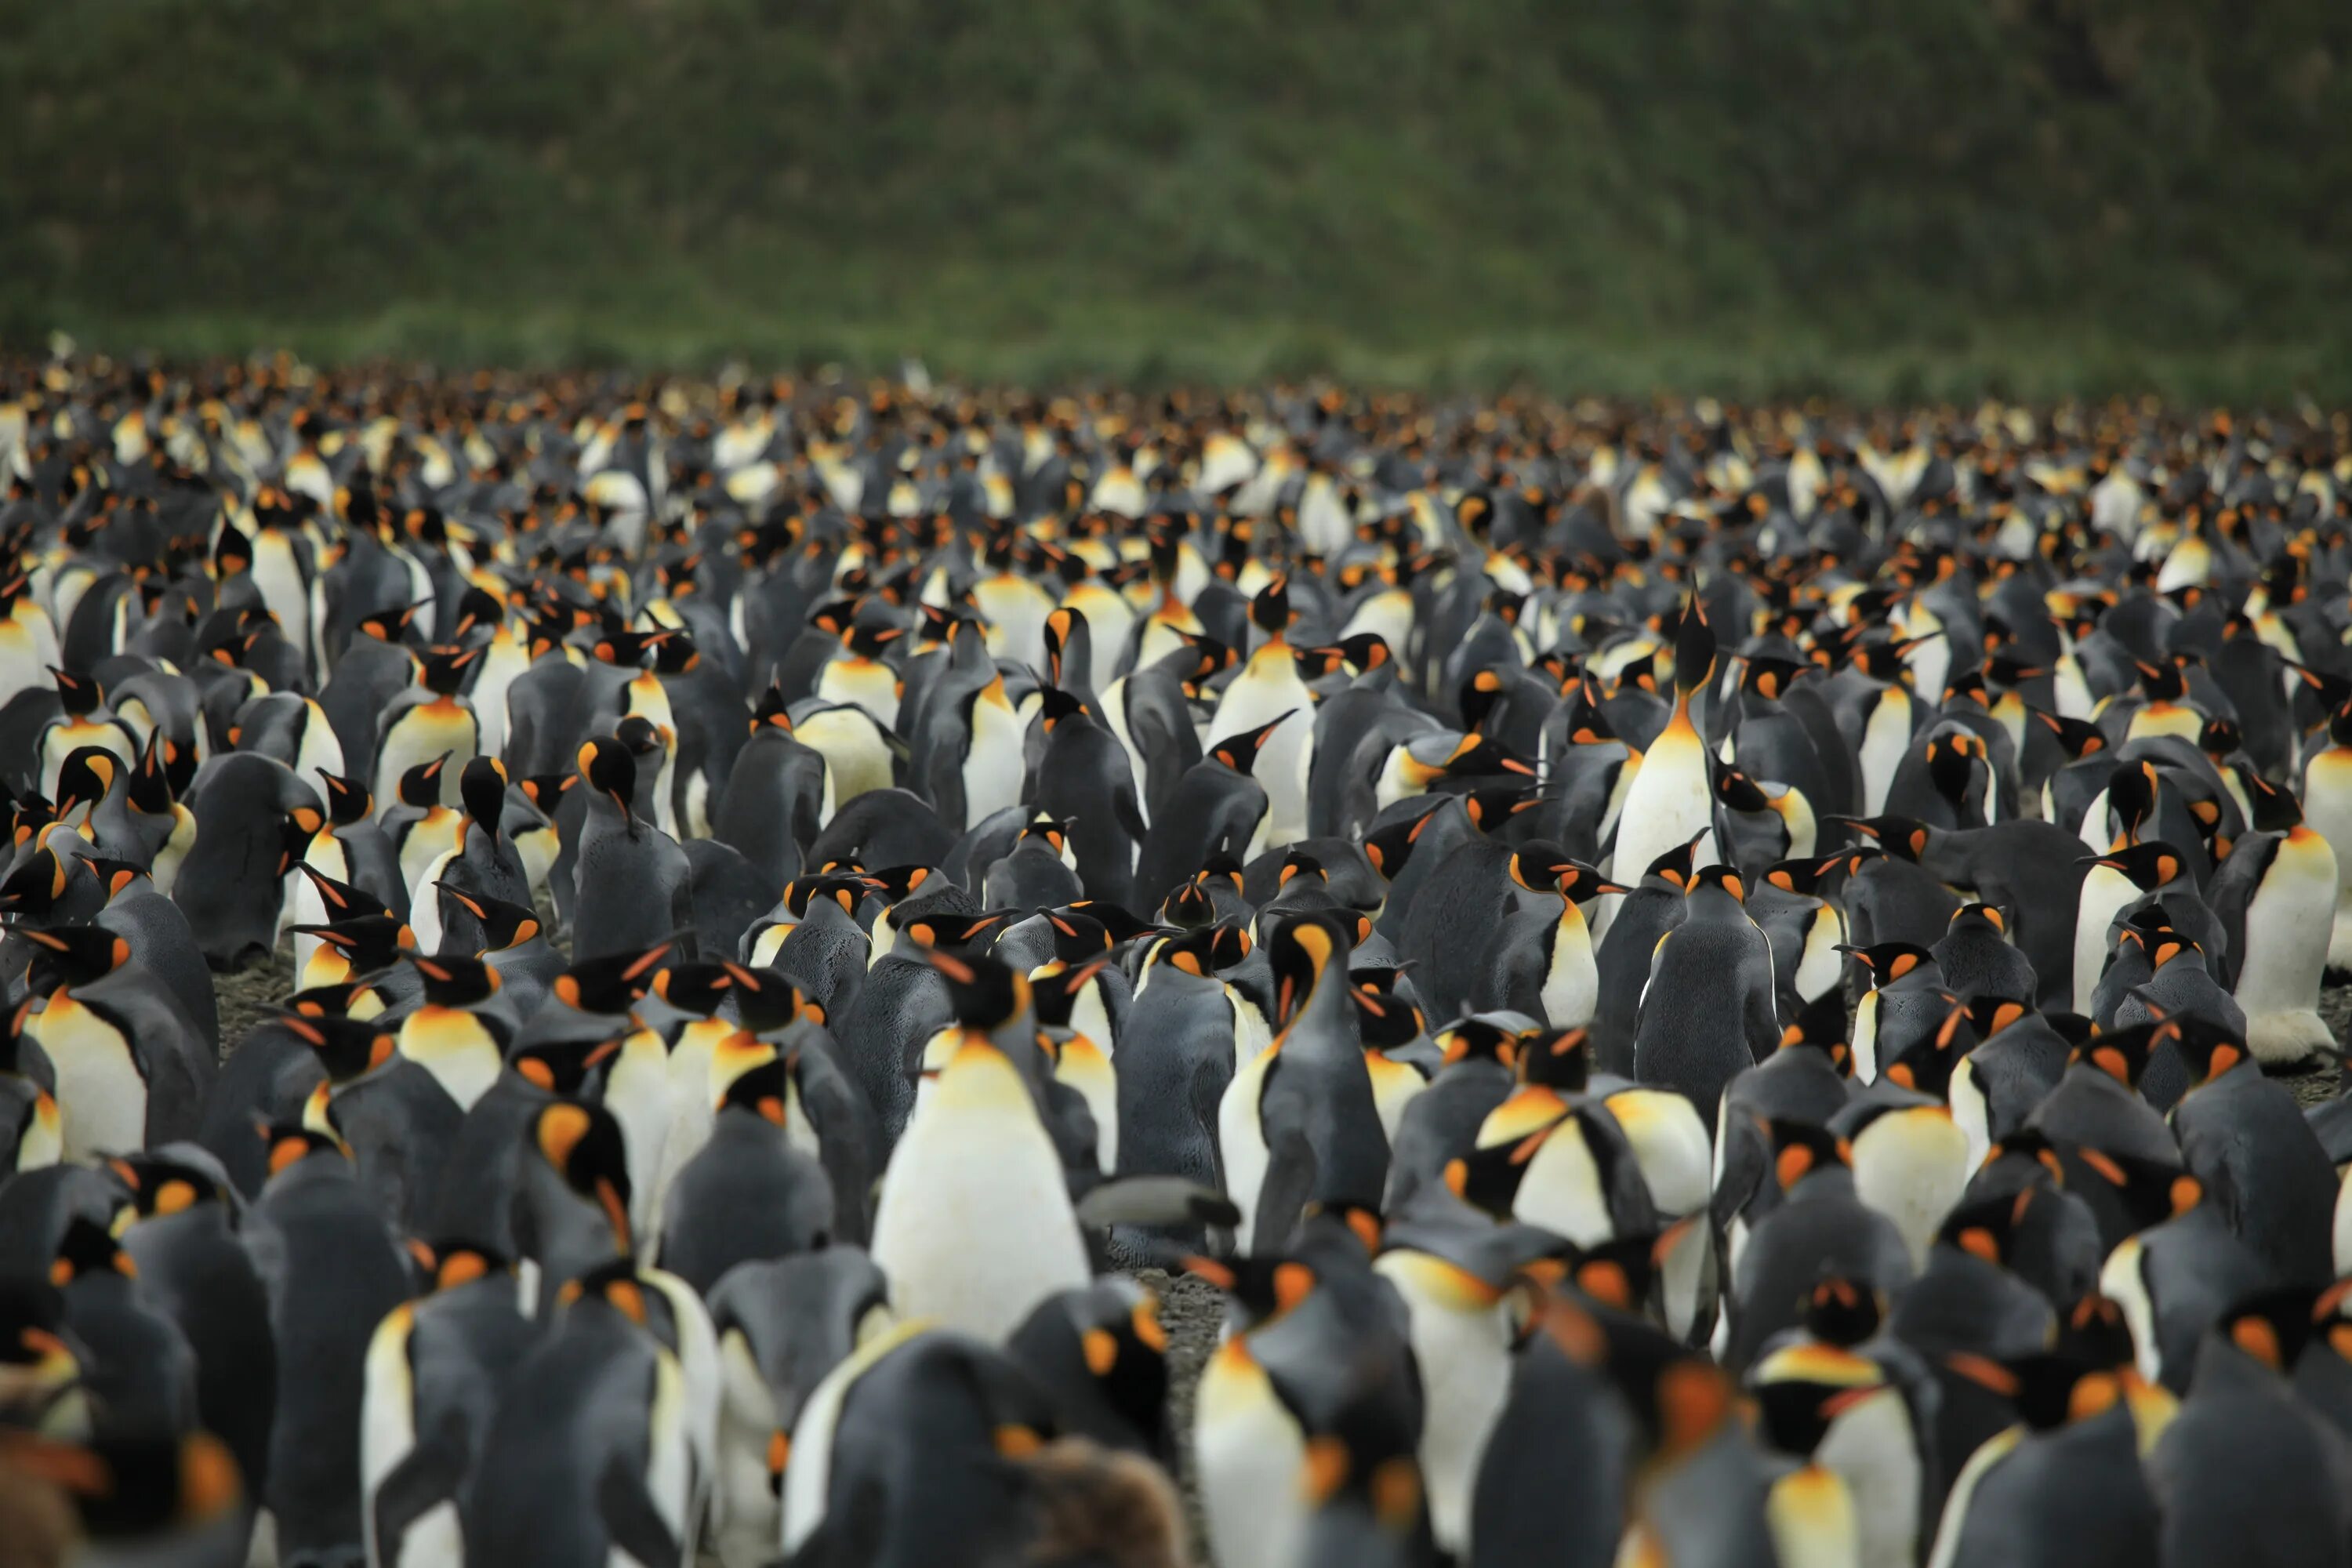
(1911, 1166)
(1248, 1457)
(2288, 934)
(993, 767)
(1571, 987)
(101, 1097)
(1667, 802)
(1241, 1141)
(2104, 893)
(1267, 689)
(1884, 739)
(1561, 1190)
(1463, 1345)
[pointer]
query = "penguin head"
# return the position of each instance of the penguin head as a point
(1114, 1327)
(1802, 1149)
(1717, 883)
(1953, 761)
(607, 765)
(982, 992)
(1491, 810)
(2096, 1331)
(1269, 610)
(1055, 988)
(1557, 1059)
(454, 982)
(1803, 1389)
(1694, 649)
(165, 772)
(143, 1493)
(1986, 1229)
(2209, 1048)
(346, 1049)
(772, 711)
(1889, 962)
(89, 1250)
(504, 924)
(462, 1262)
(1240, 752)
(2048, 1390)
(2275, 810)
(370, 943)
(389, 625)
(478, 610)
(89, 775)
(1390, 845)
(1385, 1020)
(1053, 833)
(1054, 705)
(847, 889)
(2131, 797)
(1677, 867)
(1366, 1465)
(40, 883)
(79, 695)
(348, 801)
(1079, 937)
(615, 1285)
(72, 955)
(2148, 1191)
(38, 1362)
(1989, 1016)
(1768, 676)
(1802, 877)
(2150, 864)
(767, 1001)
(2121, 1054)
(698, 989)
(1925, 1066)
(764, 1088)
(1259, 1289)
(118, 876)
(420, 786)
(1900, 837)
(1202, 951)
(482, 786)
(585, 1147)
(1841, 1311)
(1068, 636)
(546, 791)
(562, 1067)
(160, 1186)
(615, 983)
(1301, 950)
(443, 670)
(1428, 758)
(1822, 1026)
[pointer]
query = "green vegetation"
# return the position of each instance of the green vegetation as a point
(2045, 195)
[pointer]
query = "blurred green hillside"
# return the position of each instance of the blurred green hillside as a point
(1754, 194)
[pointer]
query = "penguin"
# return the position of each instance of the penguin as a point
(2244, 1138)
(193, 1266)
(331, 1271)
(174, 1498)
(635, 885)
(1545, 1161)
(1707, 1013)
(84, 719)
(231, 883)
(1816, 1222)
(132, 1069)
(2063, 1485)
(138, 1369)
(1627, 949)
(1906, 1003)
(438, 1368)
(973, 1224)
(2245, 1467)
(137, 911)
(1268, 706)
(2267, 896)
(1975, 957)
(778, 796)
(1084, 778)
(432, 719)
(1219, 806)
(595, 1427)
(749, 1192)
(1671, 799)
(1543, 965)
(1298, 1122)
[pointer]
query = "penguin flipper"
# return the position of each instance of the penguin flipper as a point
(631, 1518)
(1155, 1200)
(1282, 1198)
(427, 1475)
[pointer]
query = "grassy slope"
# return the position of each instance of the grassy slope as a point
(2057, 193)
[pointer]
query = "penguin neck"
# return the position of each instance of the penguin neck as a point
(1320, 1019)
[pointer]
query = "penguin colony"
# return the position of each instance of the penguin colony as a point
(1706, 982)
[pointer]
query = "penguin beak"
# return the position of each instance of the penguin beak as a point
(615, 1211)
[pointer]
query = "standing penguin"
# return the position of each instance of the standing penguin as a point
(1269, 700)
(1298, 1124)
(132, 1069)
(432, 719)
(332, 1272)
(974, 1224)
(436, 1370)
(1707, 1014)
(1671, 798)
(1219, 807)
(635, 885)
(588, 1457)
(2272, 896)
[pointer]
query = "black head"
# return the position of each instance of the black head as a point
(420, 786)
(454, 982)
(586, 1146)
(369, 943)
(606, 764)
(504, 924)
(1301, 950)
(72, 955)
(445, 670)
(348, 800)
(1822, 1026)
(1240, 752)
(1559, 1060)
(700, 989)
(982, 992)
